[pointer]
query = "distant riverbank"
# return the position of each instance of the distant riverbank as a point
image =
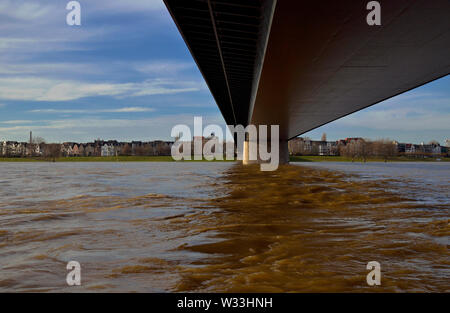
(103, 159)
(169, 159)
(317, 158)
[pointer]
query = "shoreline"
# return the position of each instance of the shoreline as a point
(315, 158)
(103, 159)
(297, 159)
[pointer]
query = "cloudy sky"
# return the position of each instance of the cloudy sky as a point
(126, 74)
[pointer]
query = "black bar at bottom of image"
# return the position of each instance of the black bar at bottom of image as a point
(227, 302)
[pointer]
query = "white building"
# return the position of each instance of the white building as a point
(410, 148)
(13, 148)
(327, 148)
(108, 150)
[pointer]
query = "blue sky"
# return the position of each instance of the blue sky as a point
(126, 74)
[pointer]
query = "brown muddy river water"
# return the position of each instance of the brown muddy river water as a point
(157, 227)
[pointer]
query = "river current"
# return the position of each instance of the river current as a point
(176, 227)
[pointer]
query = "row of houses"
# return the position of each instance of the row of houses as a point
(100, 148)
(297, 146)
(14, 148)
(115, 148)
(96, 148)
(306, 146)
(432, 149)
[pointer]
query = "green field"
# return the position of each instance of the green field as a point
(315, 158)
(101, 159)
(169, 159)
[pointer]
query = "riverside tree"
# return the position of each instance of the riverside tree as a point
(52, 151)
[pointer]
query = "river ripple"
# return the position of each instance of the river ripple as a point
(153, 227)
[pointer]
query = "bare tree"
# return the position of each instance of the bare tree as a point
(364, 148)
(126, 150)
(140, 151)
(384, 148)
(38, 140)
(434, 142)
(314, 148)
(355, 149)
(52, 151)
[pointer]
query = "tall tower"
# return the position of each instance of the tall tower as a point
(30, 146)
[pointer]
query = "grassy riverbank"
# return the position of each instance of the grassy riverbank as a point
(169, 159)
(315, 158)
(101, 159)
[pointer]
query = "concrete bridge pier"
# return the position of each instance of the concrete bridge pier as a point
(283, 152)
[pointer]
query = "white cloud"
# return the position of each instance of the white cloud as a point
(163, 67)
(87, 129)
(130, 6)
(15, 122)
(40, 25)
(121, 110)
(43, 10)
(30, 29)
(44, 89)
(129, 110)
(24, 10)
(416, 99)
(12, 43)
(7, 68)
(414, 119)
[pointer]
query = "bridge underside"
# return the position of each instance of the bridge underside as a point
(302, 64)
(323, 61)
